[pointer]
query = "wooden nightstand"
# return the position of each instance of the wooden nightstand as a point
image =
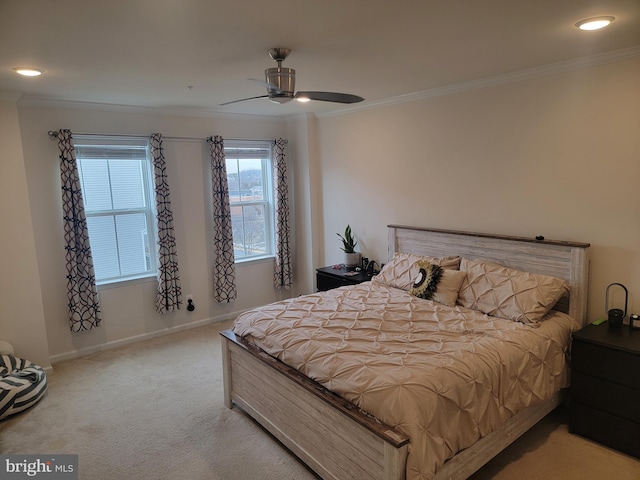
(605, 386)
(329, 277)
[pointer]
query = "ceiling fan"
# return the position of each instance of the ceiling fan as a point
(280, 82)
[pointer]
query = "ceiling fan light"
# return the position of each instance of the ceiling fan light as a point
(280, 98)
(28, 72)
(594, 23)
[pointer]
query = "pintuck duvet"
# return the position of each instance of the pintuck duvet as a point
(445, 376)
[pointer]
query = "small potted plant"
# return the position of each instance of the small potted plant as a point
(351, 257)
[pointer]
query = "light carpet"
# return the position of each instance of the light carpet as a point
(154, 410)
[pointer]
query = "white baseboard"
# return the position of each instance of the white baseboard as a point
(83, 352)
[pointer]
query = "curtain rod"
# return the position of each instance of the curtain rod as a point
(54, 134)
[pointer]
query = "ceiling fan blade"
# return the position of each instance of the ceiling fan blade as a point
(280, 84)
(243, 99)
(330, 97)
(270, 86)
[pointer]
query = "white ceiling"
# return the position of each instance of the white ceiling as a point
(147, 52)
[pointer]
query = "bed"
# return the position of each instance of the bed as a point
(345, 417)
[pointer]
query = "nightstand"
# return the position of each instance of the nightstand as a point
(329, 277)
(605, 386)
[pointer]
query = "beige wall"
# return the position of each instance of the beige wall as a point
(557, 156)
(306, 192)
(129, 309)
(22, 321)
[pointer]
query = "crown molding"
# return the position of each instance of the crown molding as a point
(494, 80)
(35, 101)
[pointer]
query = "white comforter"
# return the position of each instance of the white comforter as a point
(444, 376)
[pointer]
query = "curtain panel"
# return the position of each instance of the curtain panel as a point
(282, 276)
(82, 293)
(224, 272)
(169, 294)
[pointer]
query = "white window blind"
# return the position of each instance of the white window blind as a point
(249, 174)
(117, 187)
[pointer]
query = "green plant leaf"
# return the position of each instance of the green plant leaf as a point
(348, 241)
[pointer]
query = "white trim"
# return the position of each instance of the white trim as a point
(589, 61)
(267, 167)
(261, 259)
(36, 101)
(146, 278)
(83, 352)
(501, 79)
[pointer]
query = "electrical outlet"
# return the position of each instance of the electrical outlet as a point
(190, 305)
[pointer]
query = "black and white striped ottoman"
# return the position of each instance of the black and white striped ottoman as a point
(22, 384)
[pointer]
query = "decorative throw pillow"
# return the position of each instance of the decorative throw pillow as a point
(426, 282)
(503, 292)
(449, 287)
(402, 269)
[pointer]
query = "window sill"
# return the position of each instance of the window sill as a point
(124, 283)
(153, 277)
(248, 261)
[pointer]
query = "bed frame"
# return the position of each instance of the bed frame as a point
(336, 439)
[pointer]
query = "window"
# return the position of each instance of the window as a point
(117, 188)
(249, 174)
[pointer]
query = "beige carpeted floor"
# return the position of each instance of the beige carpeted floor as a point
(154, 410)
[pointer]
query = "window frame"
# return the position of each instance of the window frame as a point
(114, 142)
(267, 195)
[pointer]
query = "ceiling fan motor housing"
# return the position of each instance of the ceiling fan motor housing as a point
(284, 81)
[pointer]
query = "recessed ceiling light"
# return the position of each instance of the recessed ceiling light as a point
(594, 23)
(28, 72)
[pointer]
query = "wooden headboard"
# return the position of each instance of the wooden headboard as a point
(566, 260)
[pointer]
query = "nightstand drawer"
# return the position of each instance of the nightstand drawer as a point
(606, 363)
(326, 282)
(605, 428)
(606, 396)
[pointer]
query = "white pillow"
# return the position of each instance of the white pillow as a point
(503, 292)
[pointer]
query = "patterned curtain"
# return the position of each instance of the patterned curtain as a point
(224, 275)
(84, 305)
(282, 276)
(169, 295)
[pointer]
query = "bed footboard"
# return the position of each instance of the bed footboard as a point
(332, 436)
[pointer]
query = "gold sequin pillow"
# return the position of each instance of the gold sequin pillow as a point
(426, 282)
(507, 293)
(402, 269)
